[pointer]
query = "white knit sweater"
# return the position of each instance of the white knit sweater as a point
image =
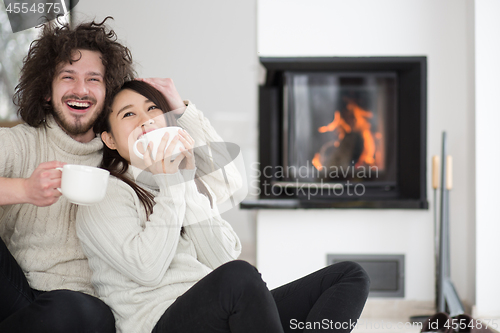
(141, 266)
(43, 239)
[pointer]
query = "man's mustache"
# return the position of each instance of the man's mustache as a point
(81, 99)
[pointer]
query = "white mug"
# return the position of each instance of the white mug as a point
(155, 137)
(82, 184)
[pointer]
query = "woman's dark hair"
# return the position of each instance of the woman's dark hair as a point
(117, 165)
(56, 45)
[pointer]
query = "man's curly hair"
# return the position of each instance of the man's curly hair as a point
(55, 46)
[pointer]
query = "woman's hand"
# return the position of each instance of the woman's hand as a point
(167, 88)
(187, 151)
(162, 163)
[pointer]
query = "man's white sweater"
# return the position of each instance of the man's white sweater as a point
(43, 239)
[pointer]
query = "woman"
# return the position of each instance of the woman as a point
(163, 258)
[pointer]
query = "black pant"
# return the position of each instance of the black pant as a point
(23, 309)
(233, 298)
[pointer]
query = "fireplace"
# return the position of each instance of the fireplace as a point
(342, 132)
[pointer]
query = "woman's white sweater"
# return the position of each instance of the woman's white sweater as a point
(140, 266)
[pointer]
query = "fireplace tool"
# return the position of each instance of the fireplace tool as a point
(435, 187)
(447, 299)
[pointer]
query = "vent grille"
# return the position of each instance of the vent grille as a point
(386, 272)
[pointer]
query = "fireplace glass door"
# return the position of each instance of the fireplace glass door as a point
(340, 127)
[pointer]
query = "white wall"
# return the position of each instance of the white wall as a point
(293, 243)
(209, 49)
(487, 69)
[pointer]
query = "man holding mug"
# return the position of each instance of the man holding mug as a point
(67, 79)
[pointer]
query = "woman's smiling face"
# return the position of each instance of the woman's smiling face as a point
(129, 111)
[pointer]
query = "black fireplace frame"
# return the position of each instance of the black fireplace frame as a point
(411, 189)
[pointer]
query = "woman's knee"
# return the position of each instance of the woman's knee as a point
(353, 271)
(241, 275)
(76, 312)
(237, 268)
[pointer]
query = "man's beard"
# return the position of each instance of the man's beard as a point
(74, 125)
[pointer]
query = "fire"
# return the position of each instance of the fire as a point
(316, 161)
(337, 123)
(363, 126)
(359, 124)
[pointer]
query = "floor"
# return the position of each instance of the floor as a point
(393, 316)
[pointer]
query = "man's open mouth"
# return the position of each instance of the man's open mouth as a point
(79, 105)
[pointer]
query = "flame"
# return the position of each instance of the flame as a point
(360, 124)
(338, 122)
(363, 126)
(316, 161)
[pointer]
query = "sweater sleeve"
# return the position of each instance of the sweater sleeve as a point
(215, 240)
(211, 157)
(115, 231)
(8, 157)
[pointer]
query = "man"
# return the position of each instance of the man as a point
(67, 79)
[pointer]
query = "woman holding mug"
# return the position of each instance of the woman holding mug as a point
(162, 257)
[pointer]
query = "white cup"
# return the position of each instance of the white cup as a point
(83, 185)
(155, 137)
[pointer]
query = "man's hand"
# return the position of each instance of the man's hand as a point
(167, 88)
(41, 189)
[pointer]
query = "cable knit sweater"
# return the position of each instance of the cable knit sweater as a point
(141, 266)
(43, 239)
